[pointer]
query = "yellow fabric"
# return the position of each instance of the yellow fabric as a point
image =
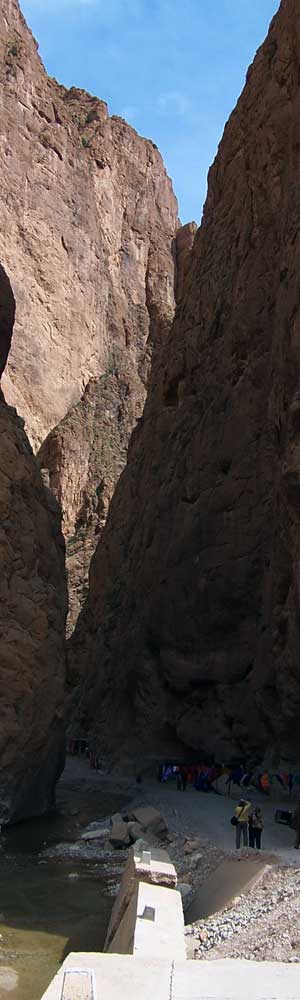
(243, 813)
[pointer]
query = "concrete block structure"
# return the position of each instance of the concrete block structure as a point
(123, 976)
(145, 955)
(152, 924)
(153, 867)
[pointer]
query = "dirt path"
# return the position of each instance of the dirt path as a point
(208, 816)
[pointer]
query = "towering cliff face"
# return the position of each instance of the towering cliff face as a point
(194, 615)
(86, 452)
(88, 215)
(85, 456)
(88, 220)
(32, 616)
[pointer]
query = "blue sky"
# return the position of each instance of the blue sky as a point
(173, 68)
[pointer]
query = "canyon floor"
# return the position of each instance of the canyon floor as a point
(56, 896)
(263, 923)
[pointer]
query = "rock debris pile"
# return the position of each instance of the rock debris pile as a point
(263, 924)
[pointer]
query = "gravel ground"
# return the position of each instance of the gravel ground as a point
(262, 924)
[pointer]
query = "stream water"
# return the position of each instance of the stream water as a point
(49, 907)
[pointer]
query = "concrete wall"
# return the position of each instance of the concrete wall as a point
(160, 872)
(122, 977)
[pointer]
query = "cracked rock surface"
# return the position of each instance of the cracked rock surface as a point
(33, 604)
(88, 219)
(192, 625)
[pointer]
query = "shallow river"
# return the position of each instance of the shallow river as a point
(45, 911)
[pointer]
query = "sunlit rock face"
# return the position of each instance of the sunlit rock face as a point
(88, 219)
(192, 627)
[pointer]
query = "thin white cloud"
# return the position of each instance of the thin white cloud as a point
(172, 103)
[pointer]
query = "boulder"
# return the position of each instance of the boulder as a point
(220, 784)
(191, 846)
(100, 834)
(135, 830)
(119, 834)
(194, 859)
(151, 820)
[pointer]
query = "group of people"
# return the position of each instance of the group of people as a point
(248, 824)
(239, 775)
(200, 776)
(181, 778)
(204, 777)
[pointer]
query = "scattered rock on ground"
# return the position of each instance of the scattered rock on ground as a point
(119, 834)
(191, 846)
(100, 834)
(262, 924)
(135, 830)
(151, 821)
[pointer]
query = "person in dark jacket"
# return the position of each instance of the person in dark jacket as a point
(255, 822)
(184, 778)
(179, 779)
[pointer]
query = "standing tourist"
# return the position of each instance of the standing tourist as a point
(178, 779)
(241, 814)
(255, 822)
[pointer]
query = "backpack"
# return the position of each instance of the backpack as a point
(234, 819)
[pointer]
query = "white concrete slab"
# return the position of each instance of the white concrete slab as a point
(152, 925)
(159, 928)
(160, 871)
(235, 979)
(119, 976)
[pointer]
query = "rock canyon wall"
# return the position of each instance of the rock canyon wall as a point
(33, 605)
(88, 219)
(192, 627)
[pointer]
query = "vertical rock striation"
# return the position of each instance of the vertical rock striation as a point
(32, 616)
(88, 219)
(194, 608)
(86, 453)
(84, 457)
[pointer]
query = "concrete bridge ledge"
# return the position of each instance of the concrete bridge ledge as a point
(119, 976)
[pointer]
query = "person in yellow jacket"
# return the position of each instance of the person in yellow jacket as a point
(242, 814)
